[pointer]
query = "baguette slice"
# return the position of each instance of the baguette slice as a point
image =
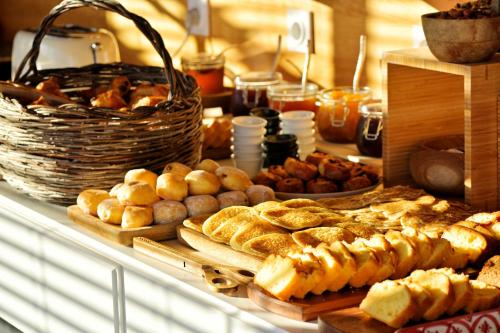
(423, 245)
(279, 276)
(422, 298)
(348, 265)
(406, 253)
(461, 288)
(441, 289)
(366, 263)
(442, 250)
(331, 267)
(468, 241)
(484, 297)
(389, 302)
(312, 271)
(386, 257)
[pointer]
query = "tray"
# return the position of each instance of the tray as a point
(316, 196)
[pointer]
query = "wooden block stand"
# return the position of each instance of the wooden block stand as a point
(425, 98)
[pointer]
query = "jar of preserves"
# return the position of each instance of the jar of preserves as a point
(208, 71)
(337, 116)
(251, 91)
(292, 97)
(369, 131)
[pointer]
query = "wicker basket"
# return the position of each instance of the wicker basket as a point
(53, 153)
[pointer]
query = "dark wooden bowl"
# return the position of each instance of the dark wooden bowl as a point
(462, 41)
(438, 165)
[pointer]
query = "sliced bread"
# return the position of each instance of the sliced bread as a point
(406, 253)
(366, 263)
(484, 297)
(347, 265)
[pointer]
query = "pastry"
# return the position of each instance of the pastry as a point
(253, 229)
(141, 175)
(148, 89)
(121, 84)
(51, 86)
(148, 101)
(356, 183)
(110, 211)
(169, 212)
(321, 185)
(290, 185)
(88, 200)
(490, 273)
(196, 222)
(265, 245)
(232, 198)
(171, 186)
(137, 194)
(214, 221)
(334, 170)
(302, 170)
(108, 99)
(303, 203)
(136, 217)
(291, 219)
(202, 182)
(316, 157)
(263, 206)
(267, 178)
(278, 170)
(318, 235)
(233, 179)
(201, 205)
(177, 168)
(208, 165)
(226, 230)
(259, 193)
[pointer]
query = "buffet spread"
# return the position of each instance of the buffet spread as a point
(302, 233)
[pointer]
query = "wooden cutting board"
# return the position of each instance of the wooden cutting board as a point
(219, 251)
(117, 233)
(308, 308)
(351, 320)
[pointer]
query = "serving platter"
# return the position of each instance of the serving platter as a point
(316, 196)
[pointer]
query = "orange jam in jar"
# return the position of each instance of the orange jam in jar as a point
(337, 117)
(291, 97)
(208, 71)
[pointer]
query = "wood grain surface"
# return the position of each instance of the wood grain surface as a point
(351, 320)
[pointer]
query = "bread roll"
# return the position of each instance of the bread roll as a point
(137, 194)
(141, 175)
(136, 217)
(110, 211)
(169, 212)
(202, 182)
(201, 205)
(233, 179)
(88, 200)
(208, 165)
(260, 193)
(171, 186)
(177, 168)
(232, 198)
(114, 190)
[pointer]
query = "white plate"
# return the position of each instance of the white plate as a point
(316, 196)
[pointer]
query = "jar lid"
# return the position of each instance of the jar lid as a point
(203, 61)
(257, 79)
(292, 91)
(371, 108)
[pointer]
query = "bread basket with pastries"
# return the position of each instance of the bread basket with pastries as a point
(87, 126)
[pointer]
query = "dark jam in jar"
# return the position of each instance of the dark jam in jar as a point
(251, 91)
(369, 130)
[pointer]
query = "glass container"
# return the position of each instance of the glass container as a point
(251, 91)
(208, 71)
(369, 131)
(291, 97)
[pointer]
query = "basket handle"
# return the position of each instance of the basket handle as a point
(176, 82)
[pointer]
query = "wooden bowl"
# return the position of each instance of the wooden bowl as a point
(462, 41)
(438, 165)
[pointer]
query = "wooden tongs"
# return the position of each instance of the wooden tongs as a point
(219, 278)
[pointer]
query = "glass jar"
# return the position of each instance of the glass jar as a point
(251, 91)
(208, 71)
(337, 116)
(369, 131)
(291, 97)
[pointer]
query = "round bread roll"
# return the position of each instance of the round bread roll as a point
(110, 211)
(114, 190)
(171, 186)
(177, 168)
(201, 205)
(260, 193)
(141, 175)
(233, 179)
(136, 217)
(88, 200)
(168, 211)
(137, 194)
(208, 165)
(202, 182)
(232, 198)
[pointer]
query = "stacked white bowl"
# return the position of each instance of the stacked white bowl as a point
(248, 134)
(301, 124)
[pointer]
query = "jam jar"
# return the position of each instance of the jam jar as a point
(251, 91)
(208, 71)
(337, 116)
(292, 97)
(369, 131)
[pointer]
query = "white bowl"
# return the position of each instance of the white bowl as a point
(298, 125)
(307, 148)
(247, 149)
(249, 122)
(296, 116)
(300, 133)
(251, 166)
(306, 140)
(248, 132)
(247, 140)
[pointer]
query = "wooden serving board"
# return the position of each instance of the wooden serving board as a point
(308, 308)
(117, 233)
(218, 251)
(351, 320)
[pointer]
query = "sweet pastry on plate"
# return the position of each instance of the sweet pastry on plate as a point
(321, 185)
(278, 170)
(333, 169)
(356, 183)
(302, 170)
(290, 185)
(267, 178)
(316, 157)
